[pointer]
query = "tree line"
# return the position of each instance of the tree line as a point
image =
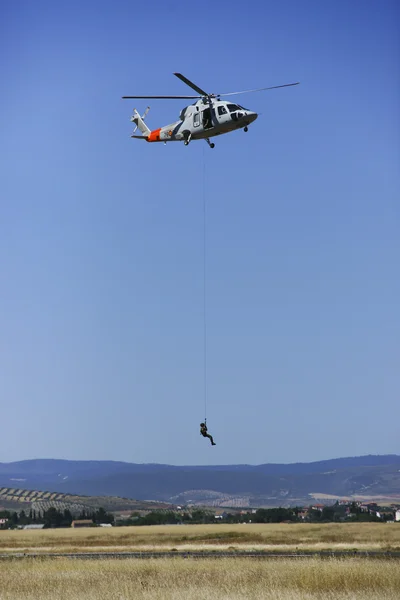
(63, 518)
(53, 517)
(200, 516)
(336, 513)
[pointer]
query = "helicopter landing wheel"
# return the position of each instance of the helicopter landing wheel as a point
(186, 143)
(246, 129)
(212, 145)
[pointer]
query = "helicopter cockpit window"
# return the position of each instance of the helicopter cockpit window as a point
(233, 107)
(222, 110)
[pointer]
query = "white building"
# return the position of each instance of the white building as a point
(397, 515)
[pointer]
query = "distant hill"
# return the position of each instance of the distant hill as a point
(22, 499)
(223, 485)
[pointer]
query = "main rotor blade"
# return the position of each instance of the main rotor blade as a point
(190, 84)
(274, 87)
(164, 97)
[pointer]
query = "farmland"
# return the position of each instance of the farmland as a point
(227, 578)
(202, 579)
(267, 537)
(22, 499)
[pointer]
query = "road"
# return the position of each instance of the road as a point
(197, 555)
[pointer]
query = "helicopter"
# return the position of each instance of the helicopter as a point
(209, 116)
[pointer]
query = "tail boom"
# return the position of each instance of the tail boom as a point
(140, 124)
(154, 136)
(169, 133)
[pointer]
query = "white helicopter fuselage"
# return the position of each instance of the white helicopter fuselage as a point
(208, 117)
(202, 121)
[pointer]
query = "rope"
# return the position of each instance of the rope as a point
(204, 293)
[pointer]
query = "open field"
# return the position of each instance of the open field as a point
(269, 537)
(202, 579)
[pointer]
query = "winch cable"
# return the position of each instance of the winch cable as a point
(204, 292)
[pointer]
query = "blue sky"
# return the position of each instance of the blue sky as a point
(101, 236)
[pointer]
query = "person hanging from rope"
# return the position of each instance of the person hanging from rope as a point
(203, 432)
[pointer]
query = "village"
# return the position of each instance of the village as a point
(340, 511)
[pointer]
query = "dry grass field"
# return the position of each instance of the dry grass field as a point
(201, 579)
(270, 537)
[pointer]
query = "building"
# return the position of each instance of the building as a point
(397, 515)
(221, 514)
(34, 526)
(82, 523)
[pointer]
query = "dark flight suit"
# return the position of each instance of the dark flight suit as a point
(203, 431)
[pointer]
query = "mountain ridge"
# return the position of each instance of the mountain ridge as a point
(268, 483)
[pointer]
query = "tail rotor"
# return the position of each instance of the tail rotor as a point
(139, 122)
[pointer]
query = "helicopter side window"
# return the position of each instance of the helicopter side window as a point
(196, 119)
(233, 108)
(222, 110)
